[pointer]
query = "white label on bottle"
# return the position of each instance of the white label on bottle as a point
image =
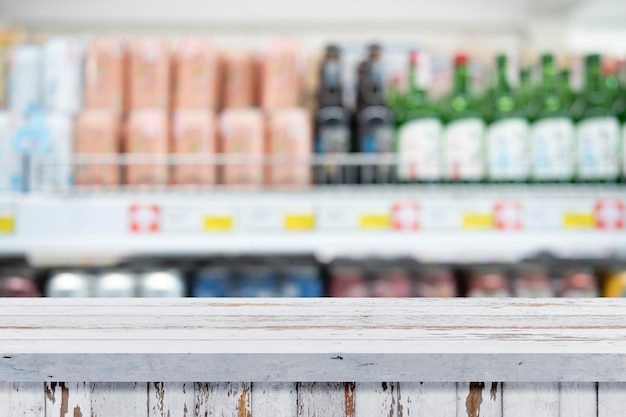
(551, 142)
(507, 149)
(463, 149)
(597, 141)
(418, 150)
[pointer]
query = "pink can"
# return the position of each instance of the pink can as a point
(195, 75)
(281, 76)
(97, 132)
(348, 282)
(392, 282)
(150, 74)
(105, 75)
(147, 133)
(193, 134)
(289, 138)
(238, 79)
(241, 133)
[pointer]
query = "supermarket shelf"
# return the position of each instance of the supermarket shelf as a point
(431, 223)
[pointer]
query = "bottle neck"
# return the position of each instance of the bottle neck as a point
(593, 77)
(503, 85)
(548, 76)
(461, 79)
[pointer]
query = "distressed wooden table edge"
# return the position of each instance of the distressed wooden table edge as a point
(595, 353)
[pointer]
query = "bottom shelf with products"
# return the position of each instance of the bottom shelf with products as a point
(305, 276)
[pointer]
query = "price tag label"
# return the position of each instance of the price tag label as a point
(7, 224)
(336, 218)
(299, 221)
(218, 223)
(375, 221)
(477, 221)
(579, 220)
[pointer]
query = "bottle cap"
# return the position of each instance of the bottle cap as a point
(413, 57)
(461, 59)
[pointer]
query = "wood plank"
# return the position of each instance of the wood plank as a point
(375, 399)
(223, 399)
(171, 399)
(5, 399)
(578, 399)
(65, 399)
(274, 399)
(430, 399)
(323, 399)
(523, 399)
(119, 399)
(503, 340)
(611, 399)
(26, 399)
(482, 399)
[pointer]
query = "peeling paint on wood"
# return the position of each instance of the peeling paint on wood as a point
(171, 399)
(416, 399)
(67, 399)
(224, 399)
(274, 399)
(612, 399)
(578, 399)
(375, 399)
(119, 399)
(523, 399)
(322, 399)
(479, 399)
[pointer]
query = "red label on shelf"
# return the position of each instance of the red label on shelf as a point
(405, 216)
(144, 218)
(507, 215)
(609, 214)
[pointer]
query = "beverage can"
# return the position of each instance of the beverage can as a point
(193, 134)
(348, 280)
(257, 281)
(281, 78)
(212, 282)
(115, 284)
(241, 134)
(25, 77)
(105, 74)
(97, 134)
(162, 284)
(147, 133)
(69, 284)
(149, 74)
(578, 283)
(18, 286)
(195, 75)
(237, 79)
(488, 283)
(615, 284)
(63, 74)
(290, 139)
(391, 281)
(435, 281)
(301, 281)
(532, 281)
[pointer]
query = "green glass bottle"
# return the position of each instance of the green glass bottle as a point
(507, 132)
(464, 131)
(396, 101)
(597, 128)
(418, 139)
(552, 129)
(565, 89)
(525, 89)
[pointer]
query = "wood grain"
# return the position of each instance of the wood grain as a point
(274, 399)
(376, 399)
(320, 399)
(171, 399)
(296, 340)
(26, 399)
(427, 399)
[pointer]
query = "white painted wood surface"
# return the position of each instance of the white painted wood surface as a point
(274, 399)
(26, 399)
(611, 399)
(322, 399)
(427, 399)
(578, 399)
(479, 399)
(530, 399)
(119, 399)
(376, 399)
(169, 399)
(299, 340)
(223, 399)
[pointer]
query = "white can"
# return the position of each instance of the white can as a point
(10, 161)
(162, 284)
(62, 74)
(115, 284)
(25, 77)
(69, 284)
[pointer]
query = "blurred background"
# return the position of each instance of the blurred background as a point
(307, 149)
